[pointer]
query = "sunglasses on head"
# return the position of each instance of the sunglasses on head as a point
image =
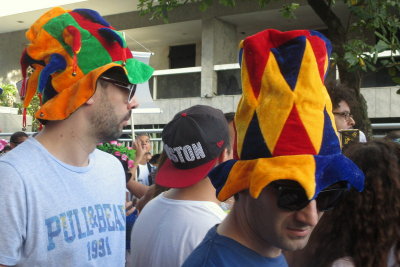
(128, 86)
(291, 196)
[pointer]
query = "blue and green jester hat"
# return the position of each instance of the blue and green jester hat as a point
(284, 121)
(68, 51)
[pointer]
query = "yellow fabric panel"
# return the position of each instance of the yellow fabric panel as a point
(246, 108)
(34, 29)
(272, 114)
(310, 99)
(256, 174)
(48, 45)
(242, 120)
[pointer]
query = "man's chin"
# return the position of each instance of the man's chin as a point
(294, 247)
(293, 244)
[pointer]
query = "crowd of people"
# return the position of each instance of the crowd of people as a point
(268, 185)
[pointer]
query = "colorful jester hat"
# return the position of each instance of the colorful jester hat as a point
(68, 51)
(284, 118)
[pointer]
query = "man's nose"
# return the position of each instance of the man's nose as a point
(309, 215)
(133, 104)
(351, 121)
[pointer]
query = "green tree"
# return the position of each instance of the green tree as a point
(373, 26)
(9, 99)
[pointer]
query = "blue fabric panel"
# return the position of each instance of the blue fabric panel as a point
(330, 141)
(289, 57)
(111, 35)
(254, 146)
(92, 15)
(335, 168)
(240, 56)
(48, 92)
(57, 63)
(219, 174)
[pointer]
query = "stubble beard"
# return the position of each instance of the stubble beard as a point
(105, 123)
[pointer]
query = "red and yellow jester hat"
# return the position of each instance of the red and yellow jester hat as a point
(284, 118)
(68, 51)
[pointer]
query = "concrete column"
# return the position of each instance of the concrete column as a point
(11, 47)
(219, 46)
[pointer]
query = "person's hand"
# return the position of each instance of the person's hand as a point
(129, 208)
(139, 151)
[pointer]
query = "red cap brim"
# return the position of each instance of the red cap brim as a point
(170, 176)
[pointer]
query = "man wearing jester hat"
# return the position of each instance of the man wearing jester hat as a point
(63, 200)
(289, 168)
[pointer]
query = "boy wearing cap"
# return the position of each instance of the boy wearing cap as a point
(289, 167)
(173, 224)
(64, 200)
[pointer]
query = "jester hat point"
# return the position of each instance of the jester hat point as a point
(68, 51)
(284, 121)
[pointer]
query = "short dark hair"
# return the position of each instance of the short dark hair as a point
(154, 159)
(15, 137)
(339, 92)
(229, 116)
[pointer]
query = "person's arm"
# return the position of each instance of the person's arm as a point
(137, 189)
(140, 154)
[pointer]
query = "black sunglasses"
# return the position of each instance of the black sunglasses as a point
(128, 86)
(291, 196)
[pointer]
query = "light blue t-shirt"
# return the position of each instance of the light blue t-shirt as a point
(55, 214)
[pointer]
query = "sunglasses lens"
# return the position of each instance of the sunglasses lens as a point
(327, 200)
(292, 198)
(132, 91)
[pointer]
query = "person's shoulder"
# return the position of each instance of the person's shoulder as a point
(23, 154)
(206, 253)
(104, 155)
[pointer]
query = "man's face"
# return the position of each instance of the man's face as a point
(342, 119)
(277, 228)
(112, 111)
(145, 142)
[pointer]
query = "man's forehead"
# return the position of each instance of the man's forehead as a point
(343, 106)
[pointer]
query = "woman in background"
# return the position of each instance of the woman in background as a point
(364, 229)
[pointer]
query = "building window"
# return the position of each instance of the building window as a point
(379, 78)
(182, 56)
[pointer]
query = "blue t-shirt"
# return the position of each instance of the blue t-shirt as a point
(218, 250)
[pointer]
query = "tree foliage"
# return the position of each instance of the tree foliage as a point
(9, 99)
(8, 96)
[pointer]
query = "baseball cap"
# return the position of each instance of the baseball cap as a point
(193, 140)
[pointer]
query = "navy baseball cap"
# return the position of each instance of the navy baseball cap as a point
(193, 141)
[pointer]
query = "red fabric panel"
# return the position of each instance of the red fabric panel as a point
(320, 53)
(256, 51)
(294, 139)
(113, 48)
